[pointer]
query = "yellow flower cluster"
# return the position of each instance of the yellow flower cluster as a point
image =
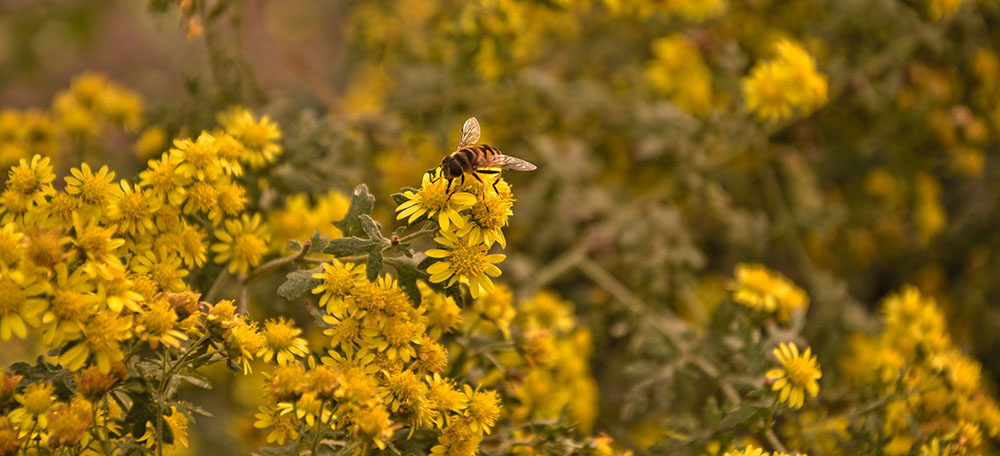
(679, 72)
(555, 356)
(299, 219)
(768, 292)
(382, 370)
(785, 85)
(751, 450)
(691, 10)
(471, 217)
(925, 380)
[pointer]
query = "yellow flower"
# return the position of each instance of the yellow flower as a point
(243, 243)
(11, 246)
(164, 181)
(258, 137)
(150, 142)
(766, 91)
(73, 301)
(20, 303)
(344, 330)
(483, 407)
(101, 338)
(27, 178)
(232, 198)
(244, 341)
(283, 425)
(164, 268)
(766, 291)
(798, 374)
(230, 151)
(281, 342)
(157, 323)
(203, 197)
(200, 158)
(132, 210)
(489, 215)
(464, 261)
(115, 288)
(92, 189)
(36, 399)
(433, 199)
(750, 450)
(68, 422)
(337, 281)
(193, 248)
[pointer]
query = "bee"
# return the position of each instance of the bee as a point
(476, 159)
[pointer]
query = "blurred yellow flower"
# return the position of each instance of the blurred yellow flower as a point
(798, 374)
(243, 243)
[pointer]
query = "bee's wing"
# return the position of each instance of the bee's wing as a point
(470, 133)
(507, 162)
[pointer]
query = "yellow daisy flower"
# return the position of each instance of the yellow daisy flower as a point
(20, 304)
(164, 181)
(158, 323)
(337, 281)
(464, 261)
(259, 138)
(799, 374)
(26, 177)
(133, 210)
(102, 336)
(433, 199)
(96, 244)
(766, 91)
(281, 342)
(11, 246)
(243, 243)
(164, 268)
(94, 189)
(73, 301)
(488, 216)
(483, 406)
(200, 158)
(115, 288)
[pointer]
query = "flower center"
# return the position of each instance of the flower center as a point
(434, 196)
(158, 320)
(279, 336)
(200, 154)
(202, 196)
(38, 400)
(256, 136)
(11, 296)
(800, 371)
(469, 260)
(94, 243)
(94, 190)
(10, 247)
(248, 248)
(22, 180)
(68, 305)
(100, 332)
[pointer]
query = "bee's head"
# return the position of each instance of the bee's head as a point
(451, 167)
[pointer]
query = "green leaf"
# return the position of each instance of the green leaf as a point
(319, 242)
(408, 273)
(294, 245)
(351, 246)
(362, 203)
(372, 228)
(399, 230)
(144, 410)
(298, 283)
(374, 264)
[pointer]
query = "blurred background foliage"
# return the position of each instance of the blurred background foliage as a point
(654, 178)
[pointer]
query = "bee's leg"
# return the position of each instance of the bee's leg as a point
(449, 190)
(491, 171)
